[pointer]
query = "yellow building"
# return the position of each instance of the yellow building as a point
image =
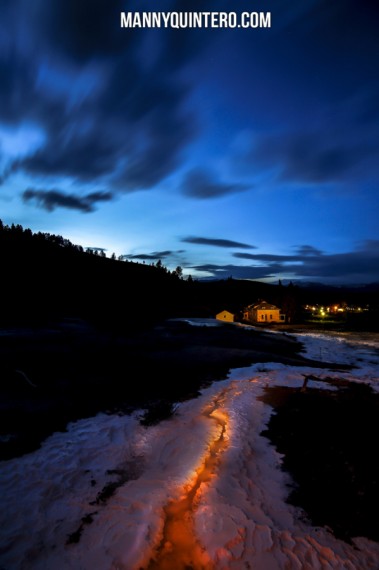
(225, 316)
(263, 312)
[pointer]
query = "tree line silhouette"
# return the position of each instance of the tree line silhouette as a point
(45, 275)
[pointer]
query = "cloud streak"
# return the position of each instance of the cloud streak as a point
(358, 266)
(199, 183)
(154, 256)
(316, 157)
(51, 199)
(217, 242)
(106, 111)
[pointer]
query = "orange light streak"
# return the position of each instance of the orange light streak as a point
(180, 548)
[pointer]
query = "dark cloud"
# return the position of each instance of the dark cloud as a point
(84, 33)
(80, 31)
(267, 257)
(51, 199)
(358, 266)
(236, 271)
(308, 250)
(7, 171)
(345, 49)
(160, 157)
(133, 133)
(315, 157)
(342, 63)
(303, 254)
(155, 255)
(370, 246)
(126, 123)
(90, 248)
(86, 157)
(322, 127)
(217, 242)
(17, 83)
(200, 184)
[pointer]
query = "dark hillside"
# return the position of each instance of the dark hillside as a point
(44, 275)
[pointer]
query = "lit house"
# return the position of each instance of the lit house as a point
(225, 316)
(263, 312)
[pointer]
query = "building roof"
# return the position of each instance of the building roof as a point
(226, 311)
(263, 306)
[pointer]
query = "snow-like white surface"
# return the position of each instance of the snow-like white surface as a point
(240, 515)
(200, 322)
(358, 350)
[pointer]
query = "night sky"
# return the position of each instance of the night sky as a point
(243, 152)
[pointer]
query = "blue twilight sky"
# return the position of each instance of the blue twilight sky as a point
(244, 152)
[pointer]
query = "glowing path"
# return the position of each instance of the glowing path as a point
(202, 490)
(180, 548)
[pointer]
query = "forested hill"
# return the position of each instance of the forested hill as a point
(45, 275)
